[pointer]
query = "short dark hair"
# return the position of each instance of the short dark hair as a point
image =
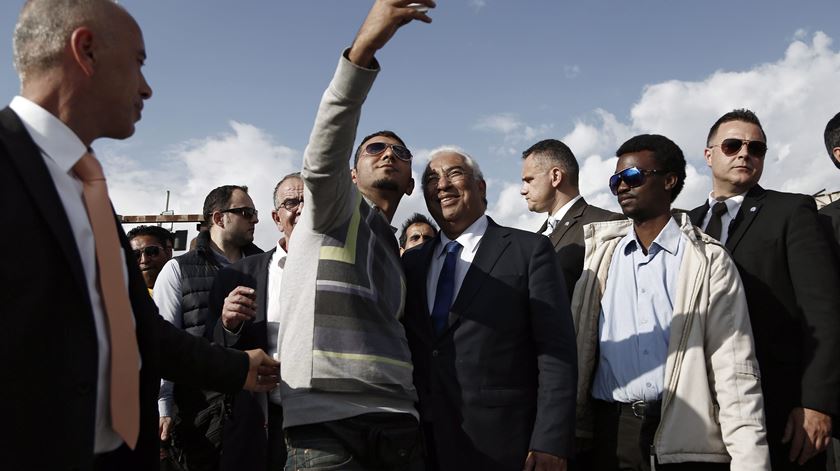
(219, 199)
(277, 186)
(667, 154)
(741, 114)
(385, 133)
(832, 137)
(162, 235)
(415, 218)
(558, 154)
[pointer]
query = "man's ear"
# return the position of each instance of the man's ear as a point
(218, 218)
(707, 154)
(836, 152)
(410, 188)
(82, 49)
(671, 181)
(353, 174)
(556, 176)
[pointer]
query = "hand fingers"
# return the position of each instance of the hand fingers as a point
(242, 291)
(797, 443)
(788, 430)
(530, 462)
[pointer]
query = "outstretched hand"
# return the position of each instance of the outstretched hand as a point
(383, 20)
(263, 372)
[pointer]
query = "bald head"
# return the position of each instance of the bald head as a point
(44, 29)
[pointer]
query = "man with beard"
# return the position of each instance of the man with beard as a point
(181, 293)
(347, 391)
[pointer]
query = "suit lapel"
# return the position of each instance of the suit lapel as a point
(262, 295)
(490, 249)
(569, 219)
(746, 215)
(26, 156)
(697, 214)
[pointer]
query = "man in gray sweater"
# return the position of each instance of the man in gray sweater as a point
(347, 392)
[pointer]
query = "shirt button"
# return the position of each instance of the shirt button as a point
(648, 385)
(644, 291)
(645, 352)
(434, 353)
(643, 321)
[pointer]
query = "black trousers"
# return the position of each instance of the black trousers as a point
(623, 441)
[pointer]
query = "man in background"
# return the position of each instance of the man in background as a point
(152, 247)
(416, 230)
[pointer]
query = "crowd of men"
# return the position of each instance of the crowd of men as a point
(652, 339)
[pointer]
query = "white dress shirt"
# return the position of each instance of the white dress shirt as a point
(272, 309)
(61, 149)
(469, 240)
(558, 215)
(733, 205)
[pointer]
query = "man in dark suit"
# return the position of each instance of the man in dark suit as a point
(831, 212)
(244, 314)
(790, 280)
(490, 332)
(57, 377)
(550, 185)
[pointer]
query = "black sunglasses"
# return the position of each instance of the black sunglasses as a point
(291, 204)
(731, 146)
(149, 251)
(244, 211)
(632, 176)
(376, 148)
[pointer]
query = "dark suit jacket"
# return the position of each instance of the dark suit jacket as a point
(567, 238)
(791, 283)
(501, 379)
(830, 217)
(49, 354)
(243, 436)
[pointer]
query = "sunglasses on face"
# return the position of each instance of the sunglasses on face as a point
(149, 251)
(400, 152)
(731, 146)
(632, 176)
(246, 212)
(291, 204)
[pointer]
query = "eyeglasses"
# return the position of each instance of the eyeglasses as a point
(632, 176)
(452, 175)
(376, 148)
(291, 204)
(149, 251)
(246, 212)
(731, 147)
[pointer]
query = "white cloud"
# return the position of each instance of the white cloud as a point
(794, 97)
(247, 156)
(514, 132)
(478, 4)
(571, 71)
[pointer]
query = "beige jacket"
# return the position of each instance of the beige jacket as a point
(712, 407)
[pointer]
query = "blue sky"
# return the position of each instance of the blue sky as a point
(236, 86)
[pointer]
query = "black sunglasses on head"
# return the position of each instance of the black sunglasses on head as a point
(149, 251)
(731, 146)
(376, 148)
(632, 176)
(244, 211)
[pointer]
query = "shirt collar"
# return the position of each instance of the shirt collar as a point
(733, 203)
(561, 213)
(668, 239)
(469, 239)
(53, 137)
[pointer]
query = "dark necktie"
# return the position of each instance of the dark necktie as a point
(445, 288)
(715, 226)
(125, 358)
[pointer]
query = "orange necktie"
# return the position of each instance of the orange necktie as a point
(125, 358)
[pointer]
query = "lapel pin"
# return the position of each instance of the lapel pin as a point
(752, 210)
(567, 223)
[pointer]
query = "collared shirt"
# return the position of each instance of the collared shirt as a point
(469, 240)
(733, 205)
(272, 308)
(167, 297)
(635, 321)
(559, 215)
(61, 149)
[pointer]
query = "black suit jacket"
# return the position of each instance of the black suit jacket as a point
(501, 379)
(567, 238)
(243, 436)
(49, 352)
(791, 283)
